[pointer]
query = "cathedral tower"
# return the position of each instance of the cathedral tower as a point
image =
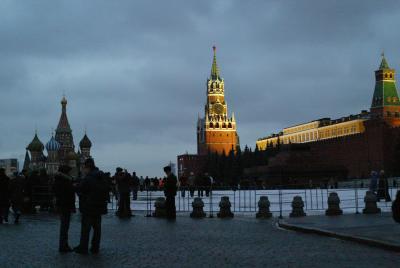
(52, 164)
(216, 132)
(64, 134)
(385, 102)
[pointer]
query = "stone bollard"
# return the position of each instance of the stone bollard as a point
(198, 211)
(160, 209)
(370, 203)
(263, 208)
(297, 207)
(225, 208)
(333, 205)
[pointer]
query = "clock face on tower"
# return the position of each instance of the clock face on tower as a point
(218, 108)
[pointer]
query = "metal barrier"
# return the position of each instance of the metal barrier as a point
(246, 200)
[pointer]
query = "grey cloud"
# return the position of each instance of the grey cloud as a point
(134, 72)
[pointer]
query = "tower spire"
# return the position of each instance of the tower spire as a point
(384, 64)
(214, 67)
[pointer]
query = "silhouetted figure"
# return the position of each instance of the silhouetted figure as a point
(31, 192)
(123, 187)
(383, 187)
(94, 193)
(207, 183)
(16, 191)
(135, 186)
(183, 185)
(396, 208)
(199, 181)
(65, 202)
(374, 182)
(192, 183)
(170, 193)
(4, 196)
(147, 183)
(43, 190)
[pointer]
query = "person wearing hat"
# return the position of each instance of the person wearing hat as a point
(170, 189)
(65, 202)
(94, 190)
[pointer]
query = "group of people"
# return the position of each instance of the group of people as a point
(379, 185)
(201, 183)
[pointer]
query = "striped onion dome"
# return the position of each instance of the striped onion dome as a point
(53, 145)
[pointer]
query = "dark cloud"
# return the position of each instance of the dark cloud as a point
(134, 72)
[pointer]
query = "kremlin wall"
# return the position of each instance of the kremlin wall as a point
(348, 147)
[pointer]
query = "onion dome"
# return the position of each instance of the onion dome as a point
(72, 156)
(36, 145)
(85, 142)
(53, 145)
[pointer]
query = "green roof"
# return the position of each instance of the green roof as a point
(214, 67)
(384, 64)
(384, 94)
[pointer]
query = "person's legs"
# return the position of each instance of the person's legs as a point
(85, 231)
(17, 212)
(96, 223)
(127, 204)
(65, 218)
(170, 207)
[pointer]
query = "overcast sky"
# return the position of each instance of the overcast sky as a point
(134, 72)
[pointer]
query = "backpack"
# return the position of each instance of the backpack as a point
(396, 208)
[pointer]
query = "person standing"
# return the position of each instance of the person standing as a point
(135, 186)
(374, 181)
(123, 187)
(170, 193)
(383, 187)
(396, 208)
(65, 202)
(4, 198)
(94, 193)
(16, 191)
(191, 183)
(207, 184)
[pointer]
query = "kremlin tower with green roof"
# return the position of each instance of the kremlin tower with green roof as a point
(385, 102)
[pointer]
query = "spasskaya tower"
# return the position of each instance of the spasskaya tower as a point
(216, 131)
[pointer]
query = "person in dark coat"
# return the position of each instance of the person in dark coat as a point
(94, 191)
(65, 202)
(4, 196)
(396, 208)
(207, 184)
(135, 186)
(170, 189)
(16, 191)
(123, 187)
(383, 187)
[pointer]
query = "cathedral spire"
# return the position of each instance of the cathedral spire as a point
(214, 67)
(63, 124)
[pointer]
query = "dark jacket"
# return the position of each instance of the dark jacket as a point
(16, 190)
(64, 192)
(4, 184)
(94, 190)
(396, 208)
(123, 183)
(170, 185)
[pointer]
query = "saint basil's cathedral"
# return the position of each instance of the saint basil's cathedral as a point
(60, 149)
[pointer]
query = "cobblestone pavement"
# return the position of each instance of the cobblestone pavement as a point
(380, 227)
(150, 242)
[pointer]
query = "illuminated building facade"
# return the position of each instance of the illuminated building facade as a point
(385, 105)
(216, 131)
(349, 147)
